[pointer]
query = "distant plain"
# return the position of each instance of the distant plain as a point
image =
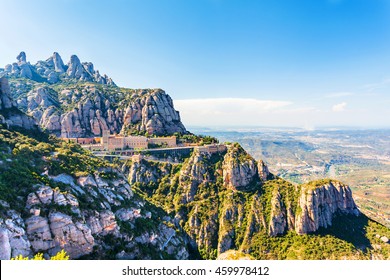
(357, 157)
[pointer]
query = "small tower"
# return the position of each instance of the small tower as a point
(104, 141)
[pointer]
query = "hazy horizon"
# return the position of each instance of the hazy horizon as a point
(227, 128)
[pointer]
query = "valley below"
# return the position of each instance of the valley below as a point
(358, 157)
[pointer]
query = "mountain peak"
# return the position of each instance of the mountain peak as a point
(53, 70)
(56, 61)
(21, 58)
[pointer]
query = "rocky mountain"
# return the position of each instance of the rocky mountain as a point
(55, 195)
(228, 201)
(79, 102)
(53, 70)
(223, 204)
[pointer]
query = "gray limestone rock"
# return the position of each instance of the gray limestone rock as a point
(75, 238)
(39, 234)
(12, 115)
(240, 170)
(263, 170)
(57, 62)
(6, 101)
(278, 220)
(319, 204)
(75, 69)
(5, 247)
(21, 58)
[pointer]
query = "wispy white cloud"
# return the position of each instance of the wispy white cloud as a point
(371, 87)
(339, 94)
(339, 107)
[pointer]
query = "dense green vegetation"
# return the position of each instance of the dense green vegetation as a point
(25, 156)
(304, 247)
(212, 201)
(349, 237)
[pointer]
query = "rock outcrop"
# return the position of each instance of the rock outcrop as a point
(76, 70)
(318, 202)
(216, 216)
(83, 103)
(223, 200)
(240, 171)
(152, 112)
(13, 236)
(194, 173)
(86, 113)
(6, 101)
(91, 212)
(57, 220)
(56, 61)
(278, 217)
(11, 115)
(263, 171)
(53, 70)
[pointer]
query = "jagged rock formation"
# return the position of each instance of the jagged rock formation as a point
(91, 211)
(223, 200)
(88, 111)
(263, 171)
(152, 112)
(82, 103)
(207, 207)
(240, 170)
(9, 113)
(6, 101)
(318, 202)
(78, 230)
(54, 71)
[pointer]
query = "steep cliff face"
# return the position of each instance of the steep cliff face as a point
(264, 173)
(194, 174)
(215, 216)
(240, 170)
(319, 201)
(10, 114)
(78, 102)
(151, 111)
(54, 196)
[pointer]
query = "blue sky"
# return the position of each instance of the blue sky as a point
(298, 63)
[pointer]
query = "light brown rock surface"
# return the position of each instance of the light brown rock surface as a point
(240, 170)
(317, 205)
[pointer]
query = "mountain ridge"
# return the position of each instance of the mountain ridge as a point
(55, 195)
(80, 104)
(53, 70)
